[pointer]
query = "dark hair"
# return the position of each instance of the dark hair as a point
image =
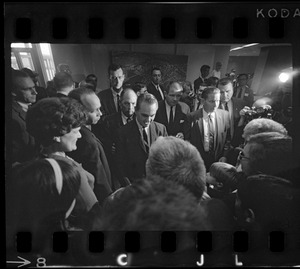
(156, 68)
(208, 91)
(92, 77)
(155, 205)
(147, 98)
(15, 75)
(114, 67)
(240, 75)
(35, 204)
(138, 86)
(272, 199)
(205, 66)
(29, 72)
(62, 80)
(224, 81)
(53, 116)
(212, 81)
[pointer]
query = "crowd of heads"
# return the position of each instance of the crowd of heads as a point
(171, 196)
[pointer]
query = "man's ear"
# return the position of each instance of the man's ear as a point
(249, 215)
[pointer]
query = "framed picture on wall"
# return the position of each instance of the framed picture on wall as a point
(138, 66)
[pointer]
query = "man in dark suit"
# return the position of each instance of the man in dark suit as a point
(233, 106)
(136, 137)
(23, 95)
(207, 128)
(242, 90)
(42, 93)
(204, 73)
(90, 152)
(154, 87)
(63, 83)
(110, 97)
(171, 112)
(111, 125)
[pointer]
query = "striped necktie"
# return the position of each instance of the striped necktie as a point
(145, 138)
(211, 131)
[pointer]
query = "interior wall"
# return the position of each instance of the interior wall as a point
(72, 55)
(85, 59)
(242, 64)
(274, 60)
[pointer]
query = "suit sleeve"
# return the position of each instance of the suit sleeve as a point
(187, 127)
(22, 143)
(120, 154)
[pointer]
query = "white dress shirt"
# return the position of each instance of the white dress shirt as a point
(205, 128)
(168, 110)
(116, 98)
(141, 130)
(160, 91)
(24, 106)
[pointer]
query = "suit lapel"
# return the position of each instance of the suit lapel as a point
(164, 113)
(218, 126)
(199, 129)
(21, 112)
(152, 134)
(111, 101)
(137, 136)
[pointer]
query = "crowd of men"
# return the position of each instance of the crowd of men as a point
(153, 157)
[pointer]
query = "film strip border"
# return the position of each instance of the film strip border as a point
(151, 23)
(157, 23)
(169, 248)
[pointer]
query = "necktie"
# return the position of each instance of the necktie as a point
(226, 106)
(118, 99)
(171, 118)
(240, 92)
(211, 131)
(145, 138)
(129, 119)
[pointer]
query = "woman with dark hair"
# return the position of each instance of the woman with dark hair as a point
(55, 124)
(40, 197)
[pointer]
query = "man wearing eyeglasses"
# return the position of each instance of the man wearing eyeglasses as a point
(171, 112)
(23, 95)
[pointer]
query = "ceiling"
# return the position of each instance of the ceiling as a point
(251, 50)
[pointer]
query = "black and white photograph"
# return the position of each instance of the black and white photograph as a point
(163, 146)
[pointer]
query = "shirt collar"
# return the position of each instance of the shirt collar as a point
(155, 85)
(167, 105)
(140, 126)
(205, 114)
(114, 93)
(24, 106)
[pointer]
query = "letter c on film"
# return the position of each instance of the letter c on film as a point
(122, 259)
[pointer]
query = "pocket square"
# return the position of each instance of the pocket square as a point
(181, 121)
